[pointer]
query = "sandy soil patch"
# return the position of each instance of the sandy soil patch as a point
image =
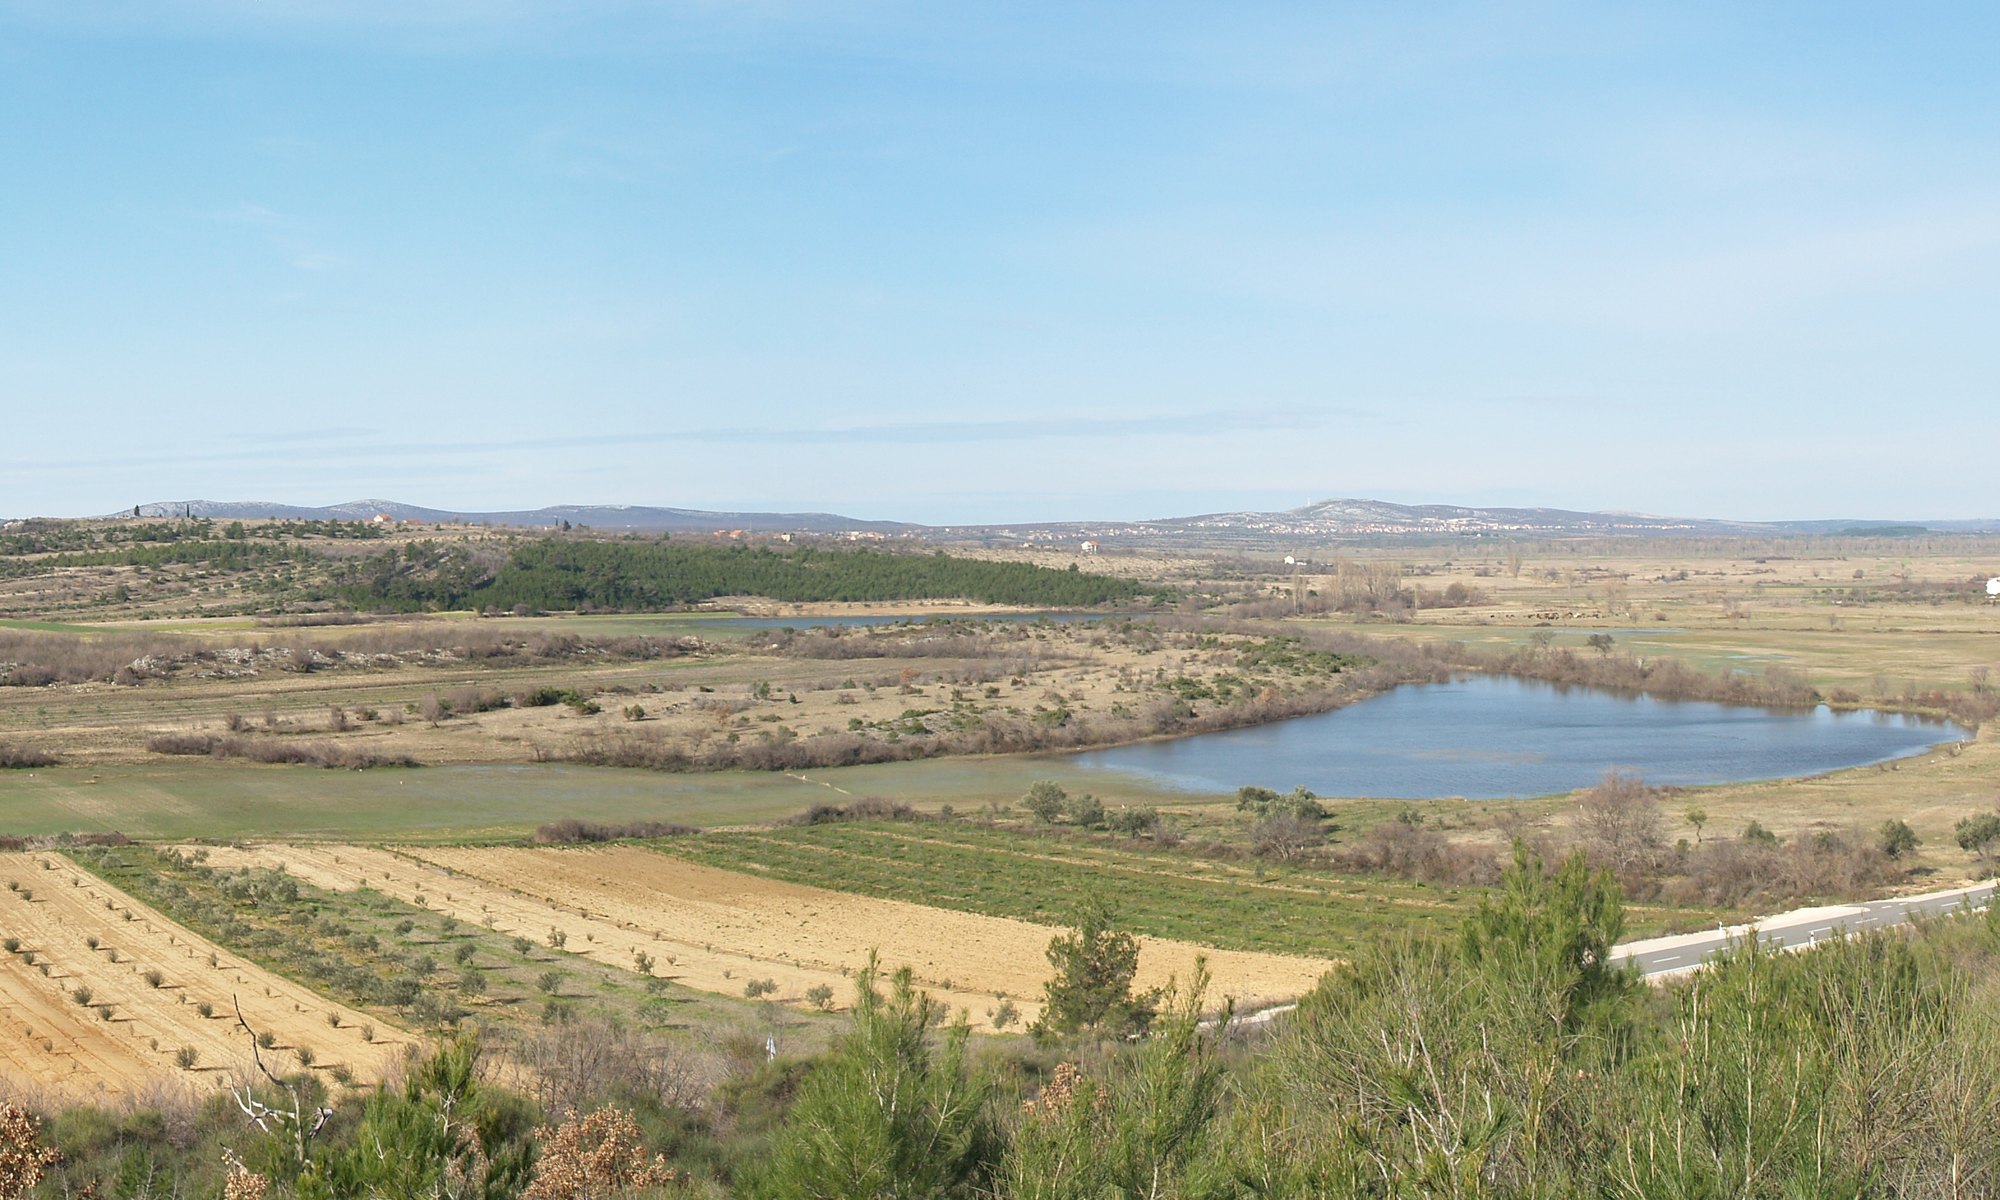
(716, 930)
(48, 1039)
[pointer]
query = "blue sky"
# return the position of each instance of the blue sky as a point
(1000, 263)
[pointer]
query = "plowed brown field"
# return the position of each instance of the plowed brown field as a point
(715, 930)
(48, 1039)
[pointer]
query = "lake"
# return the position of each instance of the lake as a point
(1494, 737)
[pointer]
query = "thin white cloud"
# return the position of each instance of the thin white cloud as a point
(366, 445)
(317, 260)
(245, 213)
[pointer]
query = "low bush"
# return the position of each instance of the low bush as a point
(317, 754)
(867, 808)
(1737, 872)
(569, 830)
(24, 756)
(1409, 850)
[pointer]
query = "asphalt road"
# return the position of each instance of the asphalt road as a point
(1804, 927)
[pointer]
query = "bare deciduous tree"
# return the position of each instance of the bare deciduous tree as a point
(1286, 836)
(1619, 820)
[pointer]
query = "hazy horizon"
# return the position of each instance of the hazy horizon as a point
(1110, 262)
(1077, 518)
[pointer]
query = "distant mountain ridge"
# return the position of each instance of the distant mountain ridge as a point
(619, 517)
(1350, 518)
(1333, 518)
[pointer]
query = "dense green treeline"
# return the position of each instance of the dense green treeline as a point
(557, 575)
(1508, 1061)
(421, 576)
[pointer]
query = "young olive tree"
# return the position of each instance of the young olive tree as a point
(1046, 800)
(1897, 838)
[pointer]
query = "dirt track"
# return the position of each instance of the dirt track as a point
(715, 930)
(49, 1040)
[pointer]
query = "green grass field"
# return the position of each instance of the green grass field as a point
(202, 797)
(997, 871)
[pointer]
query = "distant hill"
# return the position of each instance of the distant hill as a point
(619, 517)
(1337, 518)
(1347, 518)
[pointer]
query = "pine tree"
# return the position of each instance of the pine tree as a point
(891, 1114)
(1092, 988)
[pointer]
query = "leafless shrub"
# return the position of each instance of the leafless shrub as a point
(475, 700)
(114, 838)
(42, 658)
(1408, 849)
(1619, 821)
(318, 754)
(315, 620)
(24, 756)
(568, 1065)
(646, 749)
(723, 706)
(1827, 864)
(569, 830)
(184, 743)
(1286, 836)
(867, 808)
(336, 720)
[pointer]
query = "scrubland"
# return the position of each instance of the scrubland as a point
(641, 859)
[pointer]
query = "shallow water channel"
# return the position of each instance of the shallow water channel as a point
(1494, 737)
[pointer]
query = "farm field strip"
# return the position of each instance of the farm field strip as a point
(1141, 864)
(981, 956)
(1299, 914)
(714, 930)
(49, 1037)
(707, 947)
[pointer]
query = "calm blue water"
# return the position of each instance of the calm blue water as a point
(1487, 737)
